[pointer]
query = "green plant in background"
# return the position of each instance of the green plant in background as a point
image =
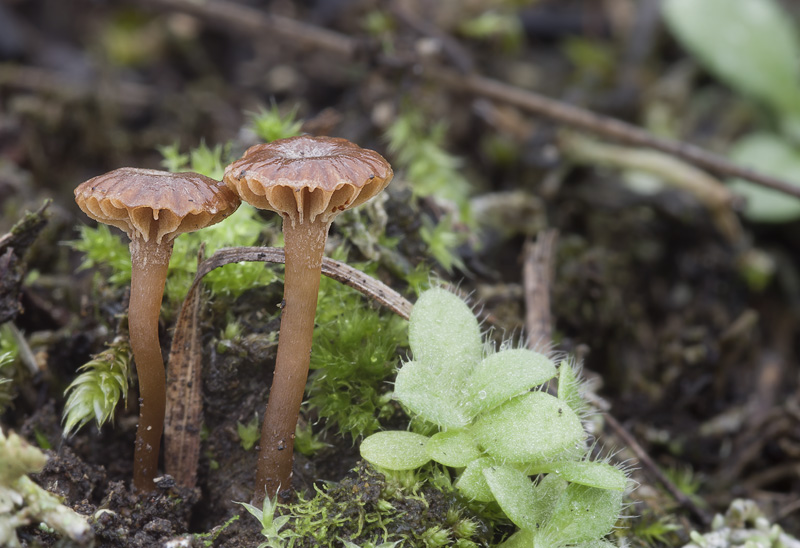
(753, 46)
(504, 26)
(270, 524)
(497, 432)
(654, 530)
(22, 502)
(270, 125)
(442, 241)
(369, 509)
(96, 391)
(249, 433)
(417, 148)
(306, 442)
(9, 354)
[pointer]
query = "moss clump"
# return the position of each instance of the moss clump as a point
(366, 509)
(354, 353)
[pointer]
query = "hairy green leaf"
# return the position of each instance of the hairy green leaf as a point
(534, 427)
(593, 474)
(583, 514)
(472, 483)
(395, 450)
(506, 374)
(453, 448)
(444, 334)
(433, 397)
(569, 387)
(515, 493)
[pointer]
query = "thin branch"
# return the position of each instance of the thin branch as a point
(715, 196)
(49, 82)
(537, 270)
(341, 272)
(603, 125)
(239, 18)
(653, 469)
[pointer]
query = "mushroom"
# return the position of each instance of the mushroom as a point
(153, 207)
(309, 181)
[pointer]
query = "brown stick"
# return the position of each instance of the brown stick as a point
(653, 469)
(51, 82)
(537, 272)
(238, 18)
(602, 125)
(339, 271)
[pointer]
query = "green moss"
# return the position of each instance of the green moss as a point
(270, 124)
(249, 433)
(9, 357)
(417, 149)
(367, 509)
(354, 353)
(95, 393)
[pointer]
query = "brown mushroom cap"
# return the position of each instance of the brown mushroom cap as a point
(308, 178)
(155, 204)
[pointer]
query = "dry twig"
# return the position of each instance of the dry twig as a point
(537, 271)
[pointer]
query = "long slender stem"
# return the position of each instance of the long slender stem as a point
(148, 276)
(305, 244)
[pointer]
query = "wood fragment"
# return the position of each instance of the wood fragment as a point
(51, 82)
(537, 271)
(239, 18)
(184, 411)
(13, 247)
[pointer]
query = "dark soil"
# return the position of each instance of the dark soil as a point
(698, 365)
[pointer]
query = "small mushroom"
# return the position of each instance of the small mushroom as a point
(309, 181)
(153, 207)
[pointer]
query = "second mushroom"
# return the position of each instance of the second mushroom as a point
(152, 207)
(308, 181)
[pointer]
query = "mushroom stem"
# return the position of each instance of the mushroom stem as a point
(149, 261)
(304, 247)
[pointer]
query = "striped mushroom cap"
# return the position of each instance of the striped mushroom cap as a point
(308, 179)
(147, 203)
